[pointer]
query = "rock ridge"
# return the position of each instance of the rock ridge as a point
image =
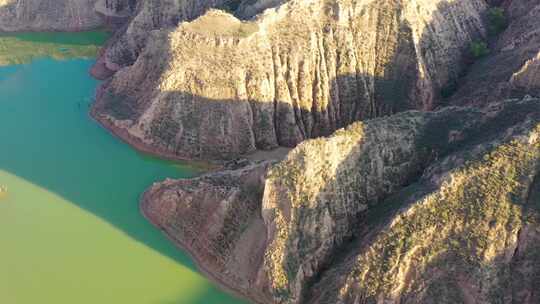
(330, 211)
(319, 66)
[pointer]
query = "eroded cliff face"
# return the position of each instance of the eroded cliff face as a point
(412, 208)
(417, 207)
(473, 239)
(511, 69)
(145, 17)
(221, 224)
(219, 87)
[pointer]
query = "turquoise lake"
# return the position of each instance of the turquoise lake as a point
(70, 227)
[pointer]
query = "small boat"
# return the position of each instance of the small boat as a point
(3, 190)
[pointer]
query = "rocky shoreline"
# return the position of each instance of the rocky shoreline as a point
(175, 207)
(124, 135)
(210, 274)
(288, 272)
(350, 87)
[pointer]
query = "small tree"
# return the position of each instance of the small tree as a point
(497, 21)
(478, 49)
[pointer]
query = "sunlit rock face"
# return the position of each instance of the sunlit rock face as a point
(528, 77)
(438, 207)
(147, 16)
(218, 87)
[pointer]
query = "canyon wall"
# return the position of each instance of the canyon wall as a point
(219, 87)
(511, 68)
(412, 208)
(147, 16)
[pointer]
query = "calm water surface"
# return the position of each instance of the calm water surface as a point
(70, 227)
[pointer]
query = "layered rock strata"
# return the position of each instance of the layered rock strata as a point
(412, 208)
(219, 87)
(145, 17)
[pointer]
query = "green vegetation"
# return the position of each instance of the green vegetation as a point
(478, 49)
(21, 48)
(497, 21)
(456, 228)
(449, 89)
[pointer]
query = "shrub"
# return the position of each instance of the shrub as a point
(478, 49)
(449, 89)
(497, 21)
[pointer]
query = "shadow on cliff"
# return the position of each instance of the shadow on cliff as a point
(98, 185)
(193, 126)
(349, 100)
(448, 142)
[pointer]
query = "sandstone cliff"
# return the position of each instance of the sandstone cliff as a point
(412, 208)
(219, 87)
(416, 207)
(145, 17)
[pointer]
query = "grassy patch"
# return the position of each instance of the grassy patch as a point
(478, 49)
(21, 48)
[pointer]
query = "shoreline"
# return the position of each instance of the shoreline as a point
(207, 273)
(138, 145)
(209, 165)
(100, 72)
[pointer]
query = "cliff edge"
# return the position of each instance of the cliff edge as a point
(412, 208)
(219, 87)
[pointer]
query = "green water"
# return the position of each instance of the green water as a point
(23, 47)
(70, 228)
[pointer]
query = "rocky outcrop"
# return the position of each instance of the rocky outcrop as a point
(472, 239)
(416, 207)
(528, 77)
(147, 16)
(412, 208)
(219, 87)
(223, 227)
